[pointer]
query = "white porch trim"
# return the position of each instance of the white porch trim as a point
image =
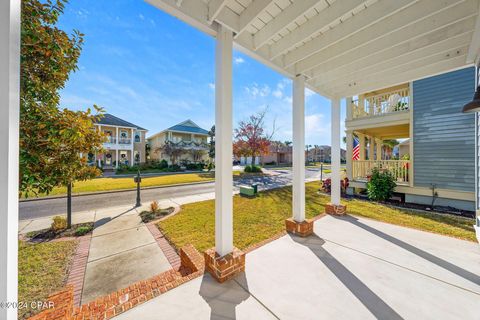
(9, 144)
(298, 151)
(223, 142)
(335, 136)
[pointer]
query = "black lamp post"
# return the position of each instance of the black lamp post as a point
(137, 180)
(474, 105)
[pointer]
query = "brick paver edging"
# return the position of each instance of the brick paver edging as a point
(79, 265)
(106, 307)
(164, 245)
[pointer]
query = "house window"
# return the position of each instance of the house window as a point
(137, 136)
(123, 134)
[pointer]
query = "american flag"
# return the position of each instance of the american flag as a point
(356, 149)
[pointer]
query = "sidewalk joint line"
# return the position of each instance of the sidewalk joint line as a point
(258, 300)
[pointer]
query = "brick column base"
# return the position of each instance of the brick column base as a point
(302, 229)
(226, 267)
(337, 210)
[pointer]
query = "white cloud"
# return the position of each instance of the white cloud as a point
(315, 124)
(141, 16)
(211, 85)
(309, 93)
(258, 91)
(238, 60)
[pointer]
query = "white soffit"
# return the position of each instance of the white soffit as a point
(344, 47)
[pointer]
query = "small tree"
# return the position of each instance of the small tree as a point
(172, 150)
(197, 154)
(211, 151)
(381, 185)
(54, 143)
(251, 139)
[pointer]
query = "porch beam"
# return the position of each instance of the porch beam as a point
(360, 21)
(251, 13)
(313, 26)
(335, 156)
(430, 70)
(351, 67)
(473, 55)
(9, 141)
(422, 17)
(223, 142)
(280, 22)
(298, 152)
(214, 8)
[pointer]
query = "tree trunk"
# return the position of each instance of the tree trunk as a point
(69, 205)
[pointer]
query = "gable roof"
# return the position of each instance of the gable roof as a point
(188, 126)
(110, 120)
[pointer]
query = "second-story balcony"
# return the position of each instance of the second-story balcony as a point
(124, 141)
(387, 102)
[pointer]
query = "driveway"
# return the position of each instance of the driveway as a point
(352, 268)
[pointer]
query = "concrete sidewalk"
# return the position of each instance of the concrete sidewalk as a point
(351, 268)
(122, 252)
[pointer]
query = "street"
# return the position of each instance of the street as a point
(48, 207)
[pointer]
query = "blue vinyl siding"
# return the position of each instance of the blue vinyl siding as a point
(444, 137)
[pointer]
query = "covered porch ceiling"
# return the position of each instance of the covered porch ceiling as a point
(392, 132)
(344, 47)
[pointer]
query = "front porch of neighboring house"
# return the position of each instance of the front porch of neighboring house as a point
(376, 122)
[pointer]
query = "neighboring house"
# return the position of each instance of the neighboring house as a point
(125, 142)
(187, 136)
(441, 139)
(323, 154)
(278, 153)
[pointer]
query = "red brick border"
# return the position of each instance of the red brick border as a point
(302, 229)
(164, 245)
(124, 299)
(337, 210)
(77, 271)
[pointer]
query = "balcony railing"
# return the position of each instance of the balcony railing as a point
(362, 169)
(111, 140)
(385, 103)
(124, 141)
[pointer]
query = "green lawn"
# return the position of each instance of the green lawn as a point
(113, 183)
(42, 270)
(263, 217)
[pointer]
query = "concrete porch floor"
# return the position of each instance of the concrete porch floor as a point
(352, 268)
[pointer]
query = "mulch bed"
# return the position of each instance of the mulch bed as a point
(148, 216)
(49, 234)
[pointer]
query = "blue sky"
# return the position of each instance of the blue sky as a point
(153, 70)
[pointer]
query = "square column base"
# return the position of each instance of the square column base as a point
(337, 210)
(226, 267)
(302, 229)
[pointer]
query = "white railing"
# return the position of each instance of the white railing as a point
(388, 102)
(362, 169)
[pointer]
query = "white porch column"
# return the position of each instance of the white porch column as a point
(379, 149)
(361, 145)
(335, 136)
(9, 136)
(298, 152)
(131, 147)
(223, 142)
(116, 147)
(371, 148)
(349, 154)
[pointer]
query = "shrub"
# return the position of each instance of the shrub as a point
(252, 168)
(271, 163)
(381, 185)
(154, 206)
(210, 166)
(82, 231)
(59, 223)
(327, 185)
(163, 164)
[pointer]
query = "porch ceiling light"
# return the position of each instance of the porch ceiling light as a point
(474, 105)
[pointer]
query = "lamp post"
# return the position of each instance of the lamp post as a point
(137, 180)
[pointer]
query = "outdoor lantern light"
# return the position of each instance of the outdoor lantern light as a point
(474, 105)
